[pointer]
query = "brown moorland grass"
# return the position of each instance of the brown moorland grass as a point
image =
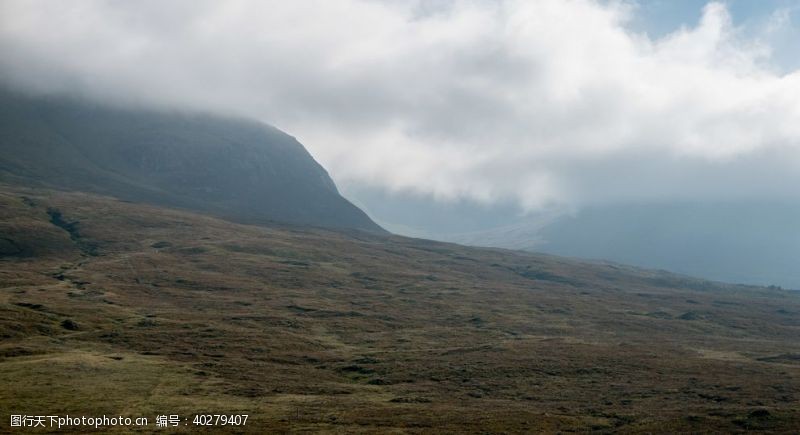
(109, 307)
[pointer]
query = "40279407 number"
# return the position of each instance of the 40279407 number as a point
(220, 419)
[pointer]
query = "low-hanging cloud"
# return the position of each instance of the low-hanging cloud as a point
(548, 103)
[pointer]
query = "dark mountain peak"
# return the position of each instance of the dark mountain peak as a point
(237, 168)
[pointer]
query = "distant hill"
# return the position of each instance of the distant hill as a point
(749, 242)
(746, 242)
(239, 169)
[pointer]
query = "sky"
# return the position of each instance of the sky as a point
(546, 105)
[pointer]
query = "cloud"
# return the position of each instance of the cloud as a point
(552, 103)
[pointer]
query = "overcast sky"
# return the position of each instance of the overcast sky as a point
(547, 103)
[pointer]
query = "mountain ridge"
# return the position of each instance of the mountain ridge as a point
(235, 168)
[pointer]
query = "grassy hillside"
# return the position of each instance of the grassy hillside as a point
(122, 308)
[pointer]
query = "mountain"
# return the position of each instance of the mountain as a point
(117, 308)
(751, 241)
(747, 242)
(242, 170)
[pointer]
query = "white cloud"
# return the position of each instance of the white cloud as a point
(552, 102)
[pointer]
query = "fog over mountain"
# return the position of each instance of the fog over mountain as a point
(487, 101)
(525, 109)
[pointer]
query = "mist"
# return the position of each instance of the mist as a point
(547, 105)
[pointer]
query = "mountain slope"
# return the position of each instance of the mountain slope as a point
(239, 169)
(108, 307)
